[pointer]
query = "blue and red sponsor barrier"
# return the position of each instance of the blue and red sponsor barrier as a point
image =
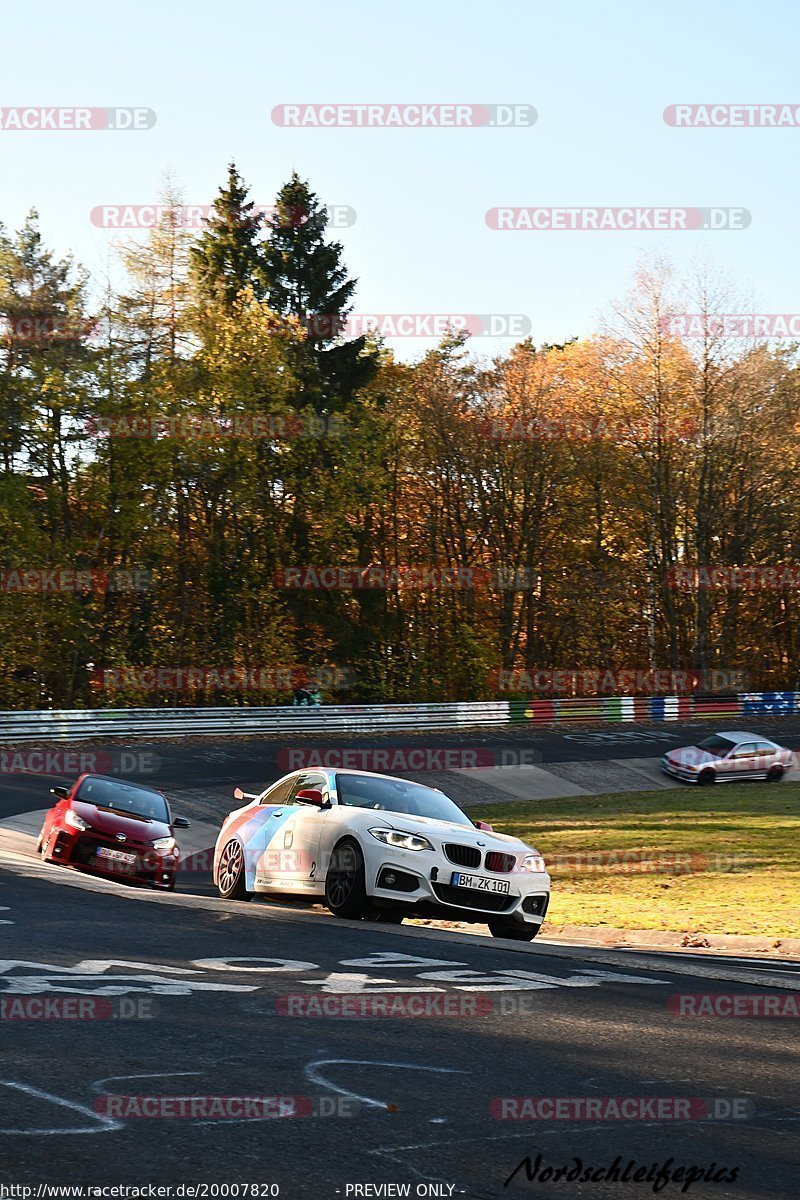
(601, 709)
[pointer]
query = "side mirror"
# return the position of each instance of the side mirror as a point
(310, 796)
(180, 823)
(238, 794)
(60, 792)
(485, 826)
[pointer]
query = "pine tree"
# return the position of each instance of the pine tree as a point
(150, 321)
(306, 279)
(227, 257)
(45, 360)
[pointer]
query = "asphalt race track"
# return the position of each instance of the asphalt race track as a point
(382, 1100)
(196, 1010)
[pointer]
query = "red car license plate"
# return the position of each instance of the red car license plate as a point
(116, 855)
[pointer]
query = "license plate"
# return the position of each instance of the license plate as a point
(479, 883)
(116, 855)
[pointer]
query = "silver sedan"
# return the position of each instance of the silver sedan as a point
(728, 756)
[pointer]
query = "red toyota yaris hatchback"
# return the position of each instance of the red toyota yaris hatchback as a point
(110, 827)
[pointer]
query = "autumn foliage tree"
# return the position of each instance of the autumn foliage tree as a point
(211, 423)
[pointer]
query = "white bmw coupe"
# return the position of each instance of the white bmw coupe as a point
(379, 848)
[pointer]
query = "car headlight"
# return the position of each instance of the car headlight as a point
(403, 841)
(167, 843)
(533, 863)
(72, 818)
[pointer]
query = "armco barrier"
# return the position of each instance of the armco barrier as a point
(78, 724)
(243, 722)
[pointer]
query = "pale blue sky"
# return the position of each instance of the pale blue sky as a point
(599, 75)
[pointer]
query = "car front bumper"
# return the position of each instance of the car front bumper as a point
(427, 888)
(681, 773)
(154, 868)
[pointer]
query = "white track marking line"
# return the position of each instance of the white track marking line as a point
(102, 1125)
(313, 1073)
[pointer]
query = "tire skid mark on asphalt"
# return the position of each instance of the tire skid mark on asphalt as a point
(100, 1124)
(240, 1120)
(393, 1152)
(399, 1154)
(314, 1075)
(97, 1085)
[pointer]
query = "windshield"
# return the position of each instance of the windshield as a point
(395, 795)
(124, 798)
(717, 745)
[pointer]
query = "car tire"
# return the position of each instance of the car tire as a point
(775, 774)
(231, 880)
(516, 931)
(706, 778)
(385, 916)
(345, 882)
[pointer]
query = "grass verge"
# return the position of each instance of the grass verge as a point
(720, 860)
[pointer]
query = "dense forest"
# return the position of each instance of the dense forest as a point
(202, 473)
